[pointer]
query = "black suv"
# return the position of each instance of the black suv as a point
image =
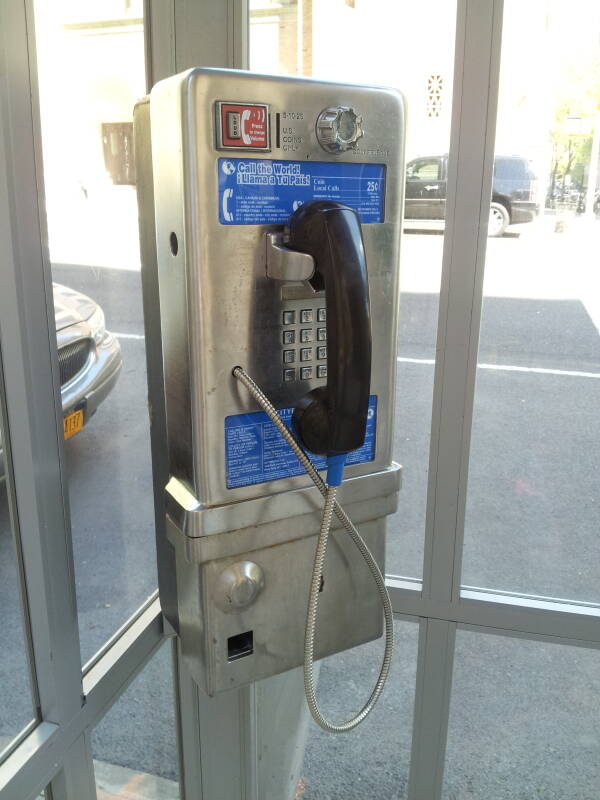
(514, 191)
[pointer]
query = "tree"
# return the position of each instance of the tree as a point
(578, 96)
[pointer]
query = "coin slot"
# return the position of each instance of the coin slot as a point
(240, 645)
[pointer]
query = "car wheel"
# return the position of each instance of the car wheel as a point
(499, 219)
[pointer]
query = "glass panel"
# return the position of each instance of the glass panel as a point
(135, 746)
(532, 509)
(523, 721)
(383, 44)
(351, 766)
(86, 116)
(16, 706)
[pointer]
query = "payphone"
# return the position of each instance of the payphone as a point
(270, 208)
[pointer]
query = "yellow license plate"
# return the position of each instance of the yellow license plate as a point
(73, 423)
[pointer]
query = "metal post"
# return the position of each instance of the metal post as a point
(432, 708)
(74, 780)
(30, 361)
(228, 745)
(593, 168)
(477, 65)
(476, 75)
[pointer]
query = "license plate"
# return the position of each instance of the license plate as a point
(73, 423)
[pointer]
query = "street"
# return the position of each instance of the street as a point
(532, 522)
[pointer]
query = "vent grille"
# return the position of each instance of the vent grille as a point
(72, 358)
(435, 88)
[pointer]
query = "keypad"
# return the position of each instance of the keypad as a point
(307, 332)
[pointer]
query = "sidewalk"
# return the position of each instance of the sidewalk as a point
(119, 783)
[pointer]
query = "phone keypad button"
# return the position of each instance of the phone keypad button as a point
(307, 315)
(289, 317)
(289, 337)
(289, 375)
(306, 354)
(306, 373)
(306, 335)
(322, 371)
(289, 356)
(321, 353)
(321, 334)
(321, 314)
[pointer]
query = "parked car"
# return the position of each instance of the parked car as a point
(89, 359)
(514, 191)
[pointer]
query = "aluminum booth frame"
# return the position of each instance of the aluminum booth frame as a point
(70, 697)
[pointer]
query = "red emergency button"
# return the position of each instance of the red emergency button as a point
(243, 126)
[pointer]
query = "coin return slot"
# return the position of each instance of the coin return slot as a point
(240, 645)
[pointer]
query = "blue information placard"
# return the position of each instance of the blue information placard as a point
(261, 191)
(255, 451)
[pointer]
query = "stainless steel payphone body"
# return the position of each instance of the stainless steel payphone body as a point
(224, 158)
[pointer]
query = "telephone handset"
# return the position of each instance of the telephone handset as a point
(332, 420)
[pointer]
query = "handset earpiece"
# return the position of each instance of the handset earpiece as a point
(332, 420)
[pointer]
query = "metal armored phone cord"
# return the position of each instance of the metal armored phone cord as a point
(331, 507)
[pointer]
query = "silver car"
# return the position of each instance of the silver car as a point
(89, 358)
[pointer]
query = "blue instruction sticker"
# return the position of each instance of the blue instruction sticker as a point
(255, 451)
(261, 191)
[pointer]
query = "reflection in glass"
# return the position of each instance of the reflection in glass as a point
(532, 507)
(523, 720)
(135, 745)
(295, 38)
(16, 706)
(352, 765)
(86, 119)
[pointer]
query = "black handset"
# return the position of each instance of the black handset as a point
(333, 419)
